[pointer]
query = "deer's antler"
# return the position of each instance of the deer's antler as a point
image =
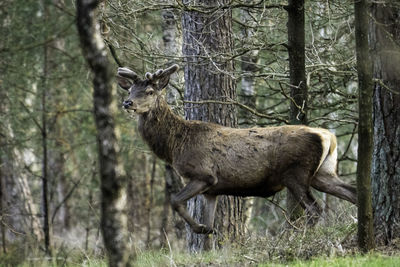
(159, 74)
(127, 73)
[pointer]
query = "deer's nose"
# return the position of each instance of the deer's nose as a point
(127, 103)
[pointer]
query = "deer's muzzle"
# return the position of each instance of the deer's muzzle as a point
(126, 104)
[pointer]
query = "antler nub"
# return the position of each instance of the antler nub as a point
(161, 73)
(158, 72)
(155, 76)
(148, 76)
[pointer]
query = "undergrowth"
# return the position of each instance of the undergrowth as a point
(330, 243)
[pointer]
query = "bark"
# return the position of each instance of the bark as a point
(43, 129)
(249, 68)
(365, 86)
(207, 46)
(385, 43)
(19, 213)
(64, 214)
(19, 216)
(2, 189)
(173, 182)
(247, 91)
(2, 213)
(56, 157)
(172, 42)
(113, 217)
(147, 197)
(298, 85)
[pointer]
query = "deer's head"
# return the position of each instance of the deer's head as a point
(143, 93)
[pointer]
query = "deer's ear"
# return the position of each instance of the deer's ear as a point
(164, 76)
(163, 82)
(124, 83)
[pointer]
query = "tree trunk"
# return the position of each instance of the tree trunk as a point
(247, 93)
(385, 43)
(298, 83)
(207, 47)
(43, 129)
(18, 211)
(147, 197)
(2, 213)
(365, 86)
(173, 182)
(113, 217)
(172, 42)
(249, 68)
(55, 95)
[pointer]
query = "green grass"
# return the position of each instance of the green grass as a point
(222, 258)
(225, 257)
(370, 260)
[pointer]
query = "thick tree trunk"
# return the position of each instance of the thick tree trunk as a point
(385, 43)
(113, 217)
(249, 68)
(298, 83)
(365, 86)
(207, 47)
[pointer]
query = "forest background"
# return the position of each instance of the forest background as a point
(50, 185)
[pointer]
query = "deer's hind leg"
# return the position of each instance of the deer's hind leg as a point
(331, 184)
(297, 182)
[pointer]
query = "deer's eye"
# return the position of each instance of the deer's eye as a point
(149, 91)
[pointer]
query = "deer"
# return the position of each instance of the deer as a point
(217, 160)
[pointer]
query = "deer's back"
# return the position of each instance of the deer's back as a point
(253, 158)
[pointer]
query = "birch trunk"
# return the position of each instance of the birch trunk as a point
(113, 179)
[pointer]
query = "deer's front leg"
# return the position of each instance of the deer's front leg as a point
(209, 214)
(192, 189)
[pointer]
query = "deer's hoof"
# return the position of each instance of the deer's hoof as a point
(202, 229)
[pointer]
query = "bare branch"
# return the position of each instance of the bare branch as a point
(231, 102)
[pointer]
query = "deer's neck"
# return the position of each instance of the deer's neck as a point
(162, 129)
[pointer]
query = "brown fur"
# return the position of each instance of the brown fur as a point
(219, 160)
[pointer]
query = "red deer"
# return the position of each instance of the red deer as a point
(219, 160)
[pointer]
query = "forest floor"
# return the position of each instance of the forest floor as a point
(327, 244)
(222, 259)
(229, 258)
(256, 254)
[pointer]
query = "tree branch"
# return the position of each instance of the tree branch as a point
(231, 102)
